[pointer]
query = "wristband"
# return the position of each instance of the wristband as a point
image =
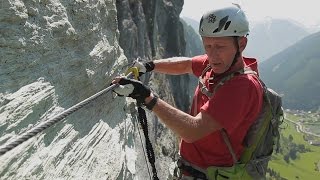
(152, 103)
(149, 66)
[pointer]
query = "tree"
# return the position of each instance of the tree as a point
(293, 154)
(301, 148)
(290, 138)
(286, 158)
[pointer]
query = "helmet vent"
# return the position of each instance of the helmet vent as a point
(222, 23)
(227, 25)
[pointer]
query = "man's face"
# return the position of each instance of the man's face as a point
(220, 51)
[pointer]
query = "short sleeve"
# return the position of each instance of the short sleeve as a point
(238, 101)
(198, 64)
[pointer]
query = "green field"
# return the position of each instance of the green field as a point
(305, 166)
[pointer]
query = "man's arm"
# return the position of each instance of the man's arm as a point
(173, 66)
(189, 128)
(186, 126)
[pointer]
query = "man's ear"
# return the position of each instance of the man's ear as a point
(242, 43)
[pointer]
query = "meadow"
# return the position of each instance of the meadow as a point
(304, 163)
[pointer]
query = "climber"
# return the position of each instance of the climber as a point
(232, 108)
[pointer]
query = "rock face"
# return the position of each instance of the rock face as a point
(156, 33)
(53, 55)
(194, 47)
(56, 53)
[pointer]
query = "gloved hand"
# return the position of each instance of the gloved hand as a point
(144, 67)
(132, 88)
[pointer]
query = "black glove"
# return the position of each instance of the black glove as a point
(144, 67)
(149, 66)
(134, 89)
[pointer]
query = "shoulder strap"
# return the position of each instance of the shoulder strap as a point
(201, 82)
(248, 151)
(205, 90)
(246, 70)
(228, 143)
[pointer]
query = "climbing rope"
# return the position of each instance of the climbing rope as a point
(150, 153)
(144, 152)
(47, 123)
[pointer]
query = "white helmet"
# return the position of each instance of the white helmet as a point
(227, 21)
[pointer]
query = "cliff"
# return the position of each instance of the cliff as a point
(56, 53)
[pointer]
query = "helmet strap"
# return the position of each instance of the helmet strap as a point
(235, 59)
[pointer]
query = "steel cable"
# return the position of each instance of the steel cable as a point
(44, 125)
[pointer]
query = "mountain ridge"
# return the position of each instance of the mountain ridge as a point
(292, 73)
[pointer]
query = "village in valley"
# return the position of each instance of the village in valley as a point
(299, 152)
(307, 122)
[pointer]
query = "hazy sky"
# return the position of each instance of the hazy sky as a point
(303, 11)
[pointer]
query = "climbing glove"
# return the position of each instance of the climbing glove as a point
(133, 88)
(144, 66)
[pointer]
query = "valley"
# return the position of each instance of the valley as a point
(299, 156)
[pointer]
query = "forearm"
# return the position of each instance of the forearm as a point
(186, 126)
(174, 65)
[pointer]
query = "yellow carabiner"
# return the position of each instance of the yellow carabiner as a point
(134, 71)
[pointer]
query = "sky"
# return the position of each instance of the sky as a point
(305, 12)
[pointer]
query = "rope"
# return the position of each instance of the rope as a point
(47, 123)
(149, 148)
(144, 153)
(44, 125)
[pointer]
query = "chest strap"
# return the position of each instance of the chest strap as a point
(201, 82)
(205, 90)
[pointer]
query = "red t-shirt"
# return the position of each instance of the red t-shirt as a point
(235, 105)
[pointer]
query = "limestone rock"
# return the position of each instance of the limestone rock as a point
(54, 54)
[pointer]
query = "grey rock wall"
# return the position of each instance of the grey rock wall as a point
(194, 47)
(151, 29)
(54, 54)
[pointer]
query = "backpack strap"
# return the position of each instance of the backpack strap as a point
(202, 87)
(201, 82)
(228, 143)
(246, 70)
(272, 117)
(249, 151)
(205, 90)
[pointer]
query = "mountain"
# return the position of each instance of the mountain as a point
(193, 40)
(271, 36)
(294, 73)
(193, 23)
(268, 37)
